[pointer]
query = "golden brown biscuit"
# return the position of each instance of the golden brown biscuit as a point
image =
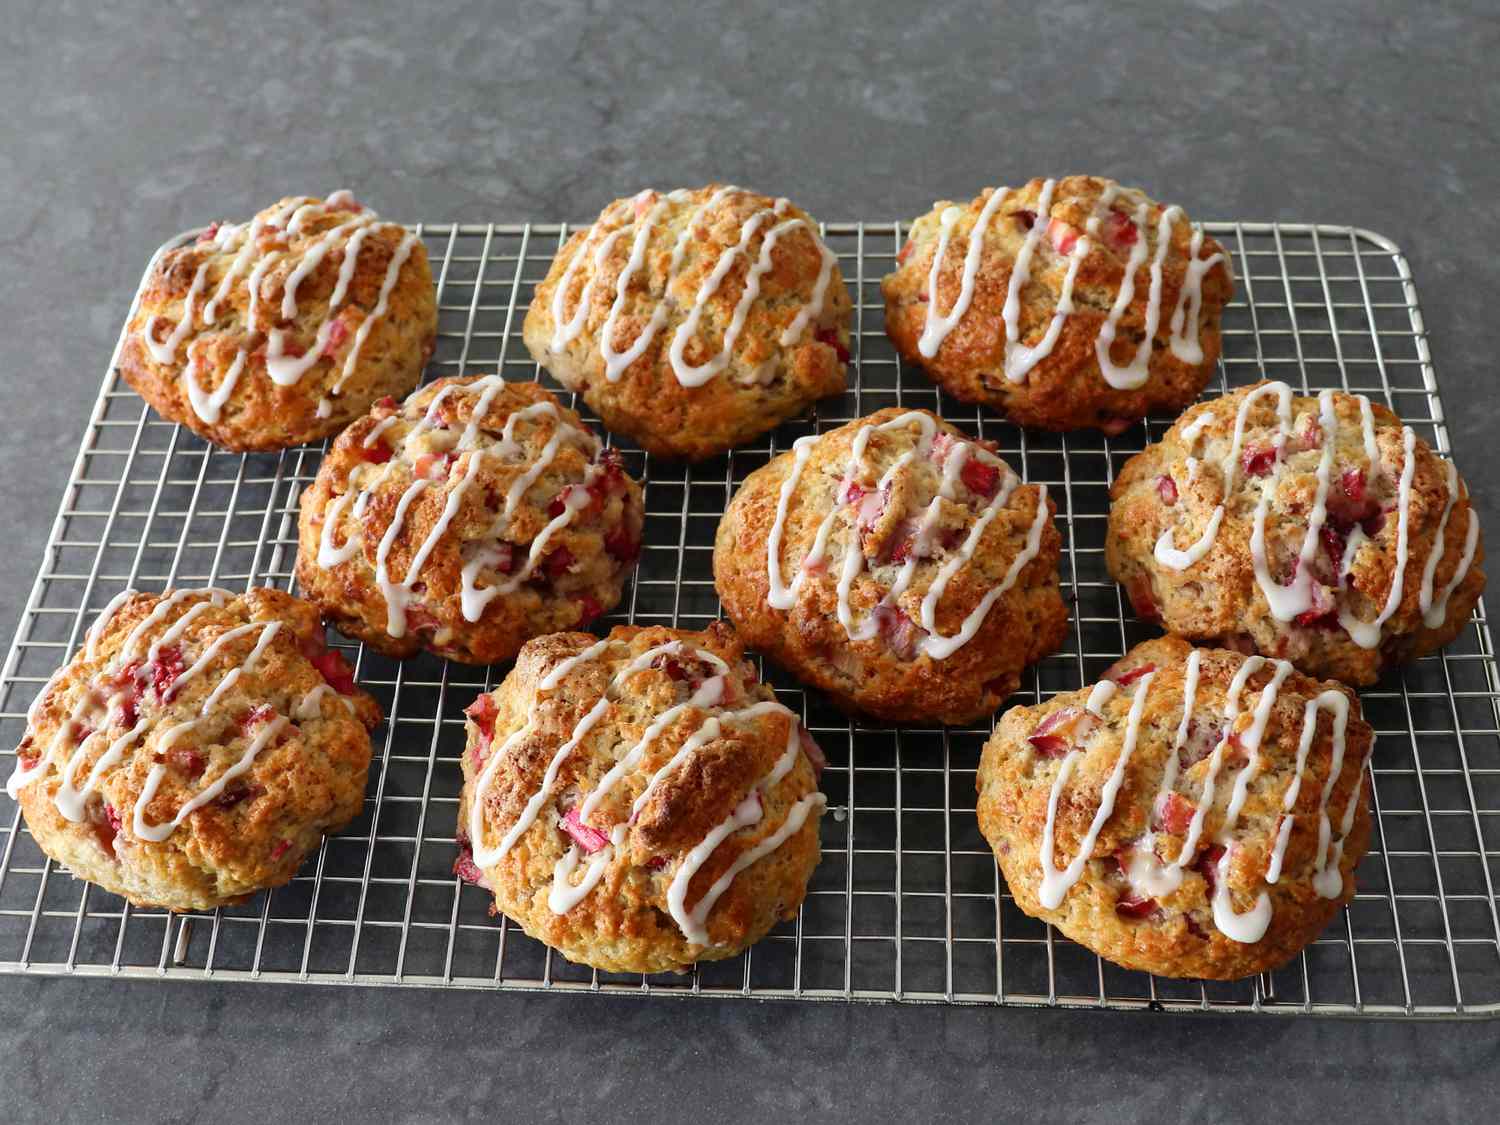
(1198, 813)
(1370, 547)
(1081, 304)
(469, 518)
(695, 320)
(196, 749)
(282, 330)
(952, 586)
(640, 802)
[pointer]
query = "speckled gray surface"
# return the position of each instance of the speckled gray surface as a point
(129, 123)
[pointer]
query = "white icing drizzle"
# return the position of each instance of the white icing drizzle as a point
(937, 326)
(1435, 610)
(1021, 359)
(1055, 882)
(1286, 602)
(938, 646)
(1190, 301)
(473, 599)
(71, 798)
(564, 893)
(618, 361)
(692, 922)
(166, 351)
(1136, 372)
(1147, 875)
(1367, 634)
(310, 706)
(282, 368)
(209, 406)
(689, 375)
(101, 623)
(1165, 552)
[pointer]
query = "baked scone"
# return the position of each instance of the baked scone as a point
(1197, 813)
(641, 802)
(466, 520)
(1079, 303)
(1318, 530)
(695, 320)
(196, 749)
(282, 330)
(897, 565)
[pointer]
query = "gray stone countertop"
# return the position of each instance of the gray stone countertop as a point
(131, 121)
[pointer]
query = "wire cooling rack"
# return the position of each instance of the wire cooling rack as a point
(907, 903)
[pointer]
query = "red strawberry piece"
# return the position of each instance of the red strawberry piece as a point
(1115, 426)
(331, 664)
(1120, 231)
(1194, 927)
(1200, 742)
(338, 332)
(433, 466)
(557, 563)
(1334, 541)
(901, 552)
(1063, 236)
(27, 757)
(980, 477)
(588, 838)
(165, 669)
(610, 477)
(1027, 219)
(280, 850)
(1133, 905)
(1352, 481)
(1174, 813)
(622, 544)
(1208, 865)
(559, 504)
(589, 610)
(953, 538)
(386, 403)
(902, 634)
(106, 825)
(1323, 612)
(1131, 675)
(1060, 730)
(871, 505)
(1166, 488)
(1257, 462)
(377, 454)
(830, 336)
(1311, 434)
(852, 492)
(483, 712)
(905, 252)
(813, 751)
(1049, 745)
(464, 866)
(1372, 524)
(211, 232)
(1141, 599)
(943, 443)
(255, 716)
(237, 794)
(187, 761)
(673, 667)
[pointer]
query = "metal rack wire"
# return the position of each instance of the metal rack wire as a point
(907, 903)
